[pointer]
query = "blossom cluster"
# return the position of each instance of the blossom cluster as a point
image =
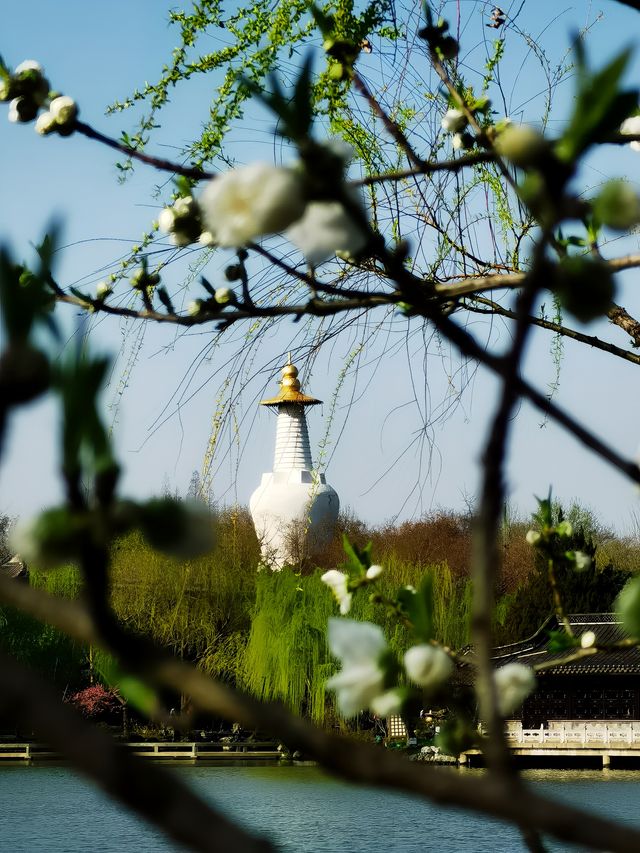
(368, 675)
(258, 200)
(27, 90)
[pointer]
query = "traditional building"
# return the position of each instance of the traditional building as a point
(294, 510)
(587, 709)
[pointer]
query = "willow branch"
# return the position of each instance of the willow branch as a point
(394, 131)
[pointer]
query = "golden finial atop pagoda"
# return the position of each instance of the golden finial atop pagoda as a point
(290, 389)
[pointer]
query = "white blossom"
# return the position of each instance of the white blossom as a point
(247, 203)
(519, 143)
(45, 123)
(588, 639)
(167, 219)
(184, 206)
(454, 120)
(389, 702)
(64, 109)
(13, 115)
(337, 583)
(224, 295)
(103, 289)
(457, 141)
(374, 572)
(194, 307)
(327, 228)
(533, 537)
(514, 682)
(582, 561)
(360, 647)
(28, 65)
(631, 126)
(427, 666)
(206, 239)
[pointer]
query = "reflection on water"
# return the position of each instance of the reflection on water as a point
(46, 808)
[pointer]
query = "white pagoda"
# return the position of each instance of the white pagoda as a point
(293, 509)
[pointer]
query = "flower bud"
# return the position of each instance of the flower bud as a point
(514, 682)
(64, 110)
(587, 640)
(428, 666)
(631, 127)
(454, 121)
(388, 703)
(166, 219)
(103, 290)
(374, 572)
(45, 124)
(22, 110)
(585, 287)
(338, 584)
(617, 205)
(520, 143)
(206, 239)
(533, 537)
(224, 295)
(183, 529)
(194, 308)
(26, 66)
(581, 561)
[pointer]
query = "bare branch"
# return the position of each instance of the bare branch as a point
(557, 328)
(192, 172)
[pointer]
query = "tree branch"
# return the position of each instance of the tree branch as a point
(192, 172)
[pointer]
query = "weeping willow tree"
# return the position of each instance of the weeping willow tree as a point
(41, 646)
(199, 608)
(287, 657)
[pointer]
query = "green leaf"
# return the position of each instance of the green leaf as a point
(560, 641)
(138, 694)
(358, 559)
(417, 605)
(599, 106)
(135, 691)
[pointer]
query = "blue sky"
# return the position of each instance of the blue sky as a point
(379, 466)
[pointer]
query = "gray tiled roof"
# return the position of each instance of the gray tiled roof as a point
(606, 627)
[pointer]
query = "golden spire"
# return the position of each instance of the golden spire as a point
(290, 389)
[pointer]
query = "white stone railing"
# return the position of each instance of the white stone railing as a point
(571, 732)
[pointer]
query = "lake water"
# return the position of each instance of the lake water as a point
(48, 808)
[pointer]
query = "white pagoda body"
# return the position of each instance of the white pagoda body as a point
(294, 510)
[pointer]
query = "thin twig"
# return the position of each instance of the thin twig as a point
(192, 172)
